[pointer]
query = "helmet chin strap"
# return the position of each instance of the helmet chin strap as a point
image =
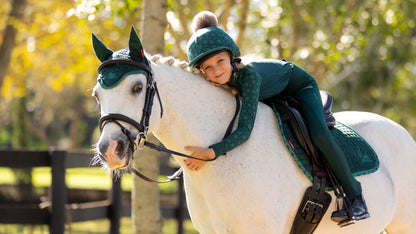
(233, 62)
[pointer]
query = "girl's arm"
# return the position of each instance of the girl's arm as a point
(250, 82)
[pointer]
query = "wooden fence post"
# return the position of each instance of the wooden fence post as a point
(59, 192)
(180, 216)
(116, 206)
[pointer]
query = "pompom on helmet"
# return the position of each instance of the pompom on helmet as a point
(208, 41)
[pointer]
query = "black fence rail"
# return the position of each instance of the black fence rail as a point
(55, 210)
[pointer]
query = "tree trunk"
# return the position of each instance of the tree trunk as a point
(184, 23)
(296, 24)
(147, 218)
(19, 113)
(20, 140)
(9, 36)
(153, 26)
(146, 215)
(243, 22)
(78, 108)
(223, 13)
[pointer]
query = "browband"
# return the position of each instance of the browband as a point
(113, 61)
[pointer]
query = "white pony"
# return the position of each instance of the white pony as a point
(257, 187)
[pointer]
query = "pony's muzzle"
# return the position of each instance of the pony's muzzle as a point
(116, 156)
(115, 153)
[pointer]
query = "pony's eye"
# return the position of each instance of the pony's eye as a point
(137, 88)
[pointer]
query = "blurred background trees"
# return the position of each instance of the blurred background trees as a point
(363, 52)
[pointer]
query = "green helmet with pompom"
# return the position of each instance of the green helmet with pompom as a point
(207, 41)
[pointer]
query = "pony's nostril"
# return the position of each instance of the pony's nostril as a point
(102, 149)
(120, 147)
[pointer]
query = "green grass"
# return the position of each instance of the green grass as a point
(85, 178)
(92, 227)
(93, 178)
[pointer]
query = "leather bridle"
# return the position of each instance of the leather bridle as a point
(143, 125)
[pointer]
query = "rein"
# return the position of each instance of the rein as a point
(139, 141)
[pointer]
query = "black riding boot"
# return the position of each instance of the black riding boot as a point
(358, 211)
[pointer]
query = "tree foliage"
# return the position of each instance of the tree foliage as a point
(361, 51)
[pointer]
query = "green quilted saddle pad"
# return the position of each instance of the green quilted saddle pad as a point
(360, 156)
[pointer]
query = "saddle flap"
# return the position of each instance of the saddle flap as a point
(289, 109)
(296, 124)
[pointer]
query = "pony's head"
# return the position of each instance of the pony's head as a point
(125, 92)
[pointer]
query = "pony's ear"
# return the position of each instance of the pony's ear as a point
(101, 51)
(135, 46)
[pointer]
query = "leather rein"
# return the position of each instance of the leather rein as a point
(139, 141)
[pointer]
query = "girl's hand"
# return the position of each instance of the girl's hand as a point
(198, 152)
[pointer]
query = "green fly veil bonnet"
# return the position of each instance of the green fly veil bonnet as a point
(115, 66)
(208, 40)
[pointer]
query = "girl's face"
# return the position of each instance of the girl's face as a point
(218, 68)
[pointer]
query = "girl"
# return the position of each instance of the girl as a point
(216, 55)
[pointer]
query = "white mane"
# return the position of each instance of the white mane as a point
(157, 58)
(171, 61)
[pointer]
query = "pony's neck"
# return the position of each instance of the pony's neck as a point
(195, 112)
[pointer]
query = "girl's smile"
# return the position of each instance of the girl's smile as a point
(218, 68)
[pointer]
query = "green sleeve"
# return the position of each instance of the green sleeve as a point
(249, 81)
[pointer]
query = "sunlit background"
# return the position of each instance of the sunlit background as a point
(363, 52)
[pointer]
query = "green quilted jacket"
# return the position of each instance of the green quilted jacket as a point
(259, 80)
